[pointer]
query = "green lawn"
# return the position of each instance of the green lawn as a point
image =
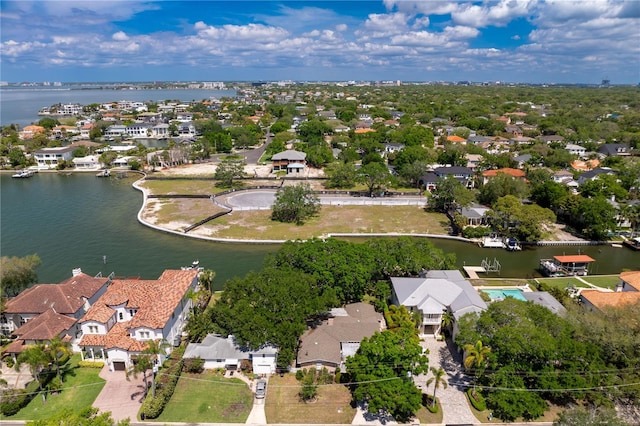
(563, 282)
(333, 404)
(208, 398)
(81, 387)
(606, 281)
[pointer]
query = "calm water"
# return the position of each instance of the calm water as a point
(73, 221)
(21, 105)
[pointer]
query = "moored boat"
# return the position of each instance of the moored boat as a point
(104, 173)
(23, 174)
(633, 243)
(512, 244)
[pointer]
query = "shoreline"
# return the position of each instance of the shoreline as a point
(143, 209)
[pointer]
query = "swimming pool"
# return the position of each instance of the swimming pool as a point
(501, 293)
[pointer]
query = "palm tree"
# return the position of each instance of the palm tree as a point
(437, 380)
(447, 320)
(58, 348)
(476, 358)
(153, 349)
(38, 358)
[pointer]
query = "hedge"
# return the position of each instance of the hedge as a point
(165, 386)
(91, 364)
(14, 400)
(476, 399)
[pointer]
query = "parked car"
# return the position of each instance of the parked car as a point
(261, 389)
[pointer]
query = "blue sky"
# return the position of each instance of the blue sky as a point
(536, 41)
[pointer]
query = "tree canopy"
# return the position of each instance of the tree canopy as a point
(382, 370)
(17, 273)
(295, 204)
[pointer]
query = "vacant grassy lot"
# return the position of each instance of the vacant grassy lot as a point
(283, 405)
(81, 387)
(606, 281)
(332, 219)
(208, 398)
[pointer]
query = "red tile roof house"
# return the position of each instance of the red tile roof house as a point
(627, 291)
(134, 311)
(46, 311)
(514, 173)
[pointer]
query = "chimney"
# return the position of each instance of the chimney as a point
(76, 271)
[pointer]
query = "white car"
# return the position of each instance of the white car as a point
(261, 389)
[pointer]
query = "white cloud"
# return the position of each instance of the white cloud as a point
(342, 27)
(120, 36)
(492, 14)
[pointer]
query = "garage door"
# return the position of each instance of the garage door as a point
(119, 366)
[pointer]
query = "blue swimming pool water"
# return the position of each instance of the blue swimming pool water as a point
(501, 293)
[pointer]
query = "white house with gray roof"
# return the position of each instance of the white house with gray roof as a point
(220, 352)
(434, 294)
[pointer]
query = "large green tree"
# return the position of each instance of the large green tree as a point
(375, 176)
(17, 273)
(502, 185)
(341, 175)
(527, 222)
(382, 370)
(591, 416)
(295, 204)
(269, 307)
(228, 172)
(450, 194)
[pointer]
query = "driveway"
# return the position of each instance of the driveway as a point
(453, 401)
(120, 396)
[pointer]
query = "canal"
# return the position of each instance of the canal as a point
(83, 221)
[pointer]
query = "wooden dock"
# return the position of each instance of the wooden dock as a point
(472, 271)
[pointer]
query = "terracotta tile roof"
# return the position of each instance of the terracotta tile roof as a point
(154, 300)
(45, 326)
(117, 337)
(632, 278)
(66, 297)
(516, 173)
(455, 138)
(602, 299)
(15, 347)
(577, 258)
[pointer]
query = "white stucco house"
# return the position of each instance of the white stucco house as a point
(224, 352)
(90, 162)
(133, 311)
(434, 294)
(48, 158)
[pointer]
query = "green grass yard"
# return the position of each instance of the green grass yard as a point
(81, 387)
(606, 281)
(563, 282)
(208, 398)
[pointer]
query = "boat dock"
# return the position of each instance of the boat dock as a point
(472, 271)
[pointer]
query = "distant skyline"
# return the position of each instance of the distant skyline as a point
(529, 41)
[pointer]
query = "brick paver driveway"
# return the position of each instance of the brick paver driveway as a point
(120, 396)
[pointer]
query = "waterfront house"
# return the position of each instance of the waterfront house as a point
(48, 158)
(220, 352)
(90, 162)
(627, 291)
(475, 215)
(134, 311)
(434, 294)
(292, 161)
(330, 343)
(45, 311)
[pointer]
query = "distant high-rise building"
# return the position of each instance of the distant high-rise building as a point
(605, 83)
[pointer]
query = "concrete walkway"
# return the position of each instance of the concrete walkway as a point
(453, 401)
(16, 379)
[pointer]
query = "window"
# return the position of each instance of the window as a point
(23, 321)
(131, 312)
(120, 316)
(93, 329)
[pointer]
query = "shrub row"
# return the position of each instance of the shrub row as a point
(476, 231)
(13, 400)
(91, 364)
(165, 386)
(476, 400)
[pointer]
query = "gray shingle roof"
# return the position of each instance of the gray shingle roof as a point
(289, 154)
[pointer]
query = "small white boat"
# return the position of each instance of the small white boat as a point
(23, 174)
(512, 244)
(104, 173)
